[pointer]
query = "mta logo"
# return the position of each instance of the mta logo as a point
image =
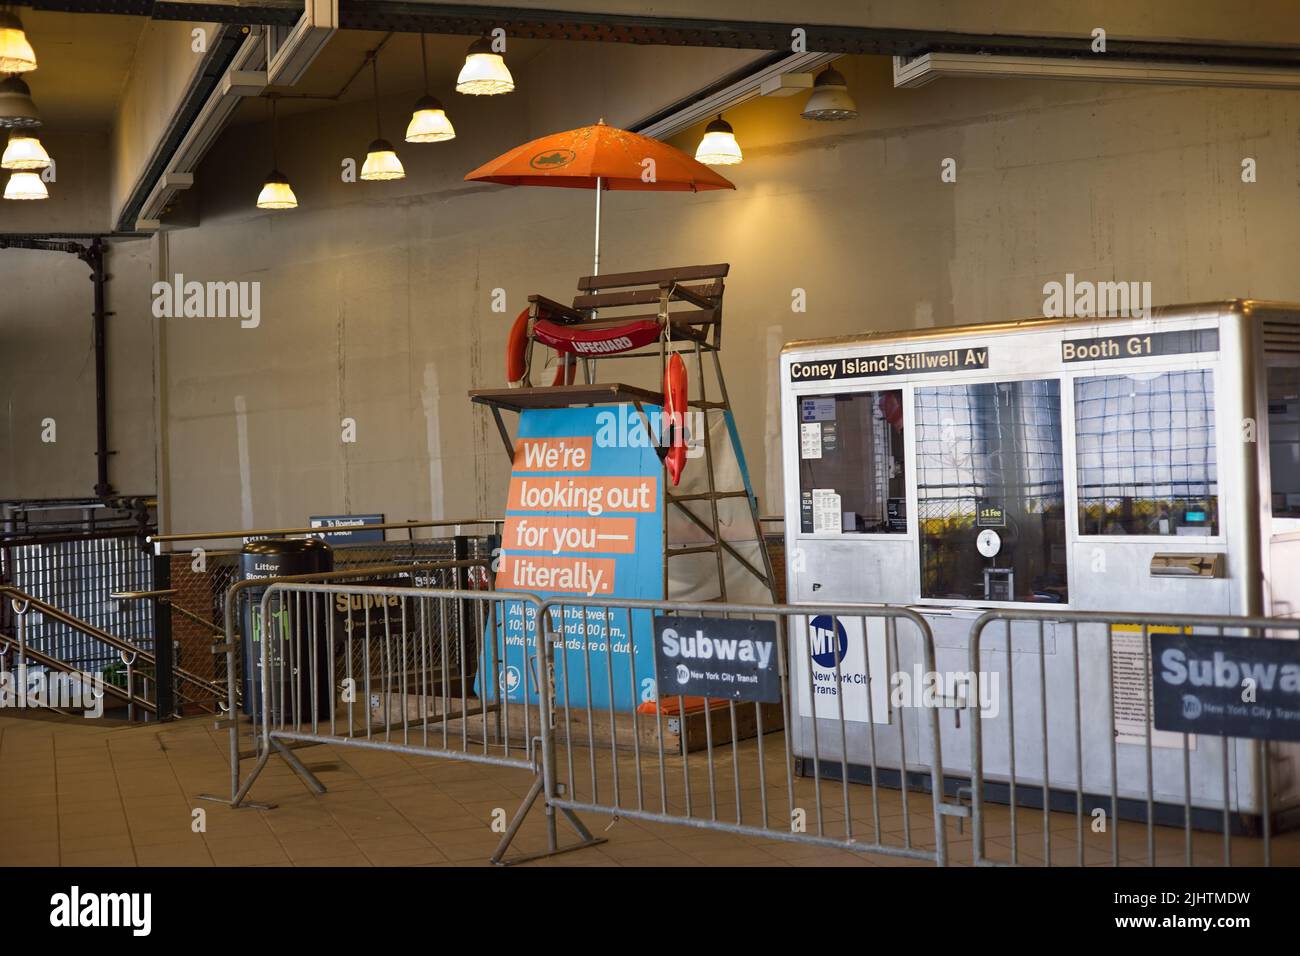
(509, 679)
(827, 640)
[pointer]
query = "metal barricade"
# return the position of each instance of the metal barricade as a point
(1068, 668)
(190, 584)
(412, 692)
(521, 709)
(231, 648)
(744, 787)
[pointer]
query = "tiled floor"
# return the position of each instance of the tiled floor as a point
(89, 793)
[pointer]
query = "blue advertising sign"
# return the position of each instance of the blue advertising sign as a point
(584, 521)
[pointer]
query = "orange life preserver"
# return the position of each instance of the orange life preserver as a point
(675, 416)
(517, 357)
(517, 351)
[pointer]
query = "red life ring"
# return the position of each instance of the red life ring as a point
(517, 351)
(517, 357)
(675, 405)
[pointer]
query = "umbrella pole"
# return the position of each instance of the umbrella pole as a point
(595, 269)
(589, 365)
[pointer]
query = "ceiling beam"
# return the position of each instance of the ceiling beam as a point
(182, 128)
(410, 16)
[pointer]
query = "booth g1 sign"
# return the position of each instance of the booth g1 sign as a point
(1230, 686)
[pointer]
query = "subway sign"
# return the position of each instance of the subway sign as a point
(891, 363)
(1142, 345)
(1226, 686)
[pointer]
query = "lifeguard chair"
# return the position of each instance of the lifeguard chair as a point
(711, 515)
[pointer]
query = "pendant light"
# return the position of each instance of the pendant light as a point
(24, 151)
(16, 106)
(26, 185)
(16, 54)
(429, 123)
(830, 98)
(381, 160)
(276, 192)
(485, 72)
(719, 146)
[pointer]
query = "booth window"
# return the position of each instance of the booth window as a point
(991, 491)
(1146, 454)
(1284, 439)
(851, 477)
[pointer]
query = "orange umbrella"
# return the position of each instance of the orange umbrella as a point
(600, 157)
(603, 157)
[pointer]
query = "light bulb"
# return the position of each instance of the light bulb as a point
(485, 72)
(429, 123)
(26, 186)
(276, 193)
(24, 152)
(830, 98)
(382, 163)
(16, 53)
(719, 146)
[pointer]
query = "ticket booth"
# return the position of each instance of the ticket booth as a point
(1135, 465)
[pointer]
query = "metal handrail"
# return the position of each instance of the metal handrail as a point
(117, 643)
(162, 595)
(388, 525)
(25, 539)
(128, 698)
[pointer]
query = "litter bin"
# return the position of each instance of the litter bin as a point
(277, 558)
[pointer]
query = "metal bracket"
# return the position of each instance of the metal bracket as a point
(959, 810)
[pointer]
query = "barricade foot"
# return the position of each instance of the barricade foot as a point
(298, 767)
(585, 837)
(243, 805)
(236, 802)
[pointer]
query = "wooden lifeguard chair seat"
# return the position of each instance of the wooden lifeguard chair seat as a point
(603, 301)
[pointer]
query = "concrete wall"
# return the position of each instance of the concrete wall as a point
(375, 300)
(376, 297)
(47, 370)
(46, 345)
